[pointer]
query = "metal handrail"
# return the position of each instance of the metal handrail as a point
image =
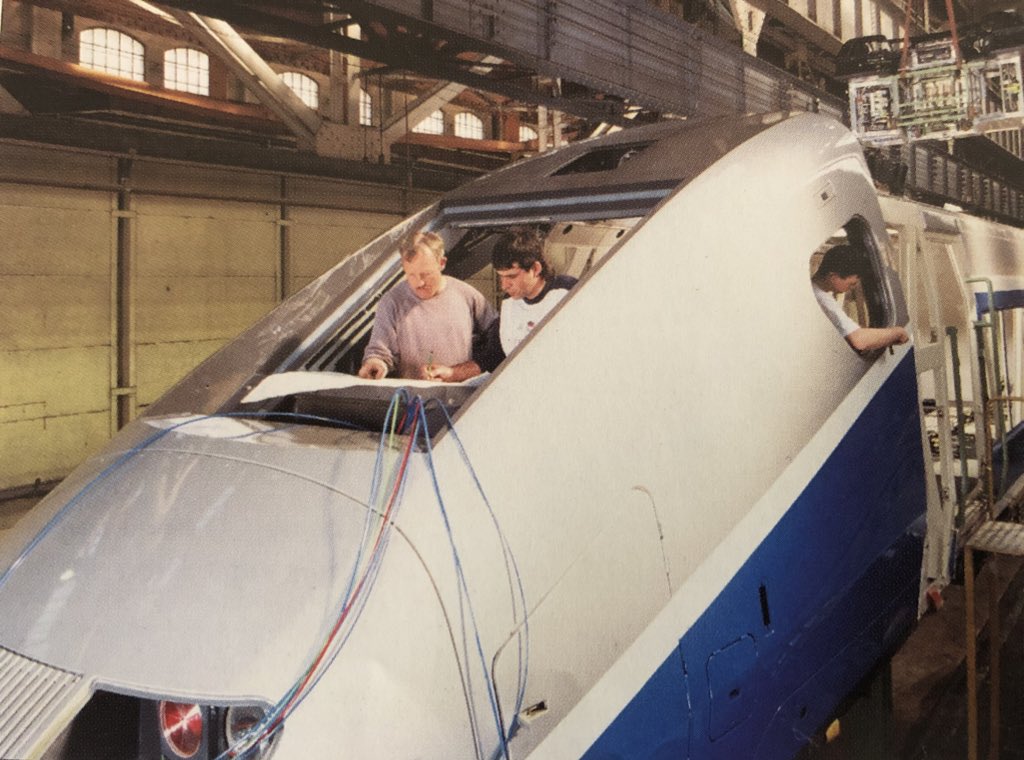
(989, 406)
(998, 382)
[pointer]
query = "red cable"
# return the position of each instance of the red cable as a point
(392, 500)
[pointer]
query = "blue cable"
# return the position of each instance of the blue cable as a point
(509, 556)
(257, 733)
(491, 692)
(419, 425)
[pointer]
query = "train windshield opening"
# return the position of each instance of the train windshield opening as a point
(320, 383)
(851, 280)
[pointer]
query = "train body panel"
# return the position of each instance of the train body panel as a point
(797, 625)
(682, 519)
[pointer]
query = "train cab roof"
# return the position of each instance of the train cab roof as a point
(630, 171)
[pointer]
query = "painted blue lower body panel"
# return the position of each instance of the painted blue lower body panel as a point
(830, 592)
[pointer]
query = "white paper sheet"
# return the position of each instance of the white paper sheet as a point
(288, 383)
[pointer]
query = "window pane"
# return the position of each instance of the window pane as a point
(469, 125)
(306, 88)
(187, 70)
(110, 51)
(432, 125)
(365, 108)
(527, 133)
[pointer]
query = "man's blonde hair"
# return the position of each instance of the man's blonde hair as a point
(429, 240)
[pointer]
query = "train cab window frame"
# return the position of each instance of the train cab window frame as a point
(572, 247)
(603, 159)
(868, 303)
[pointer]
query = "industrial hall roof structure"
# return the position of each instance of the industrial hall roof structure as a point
(434, 91)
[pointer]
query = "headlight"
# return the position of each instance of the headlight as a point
(181, 728)
(190, 731)
(239, 719)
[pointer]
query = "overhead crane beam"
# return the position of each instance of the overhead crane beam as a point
(793, 19)
(626, 50)
(620, 50)
(399, 56)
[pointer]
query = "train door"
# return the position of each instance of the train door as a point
(948, 376)
(925, 262)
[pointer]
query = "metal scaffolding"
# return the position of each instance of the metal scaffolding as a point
(938, 97)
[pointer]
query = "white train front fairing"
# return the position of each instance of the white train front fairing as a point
(683, 519)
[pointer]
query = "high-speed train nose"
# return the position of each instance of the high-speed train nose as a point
(181, 526)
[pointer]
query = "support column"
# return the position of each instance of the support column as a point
(556, 129)
(749, 20)
(284, 268)
(337, 89)
(353, 82)
(542, 129)
(123, 394)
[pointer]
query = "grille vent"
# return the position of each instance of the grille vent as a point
(32, 697)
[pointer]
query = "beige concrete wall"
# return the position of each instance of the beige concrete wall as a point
(208, 251)
(56, 248)
(204, 272)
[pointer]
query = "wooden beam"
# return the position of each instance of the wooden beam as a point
(177, 104)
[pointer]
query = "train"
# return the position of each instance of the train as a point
(682, 519)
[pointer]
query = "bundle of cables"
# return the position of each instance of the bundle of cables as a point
(407, 416)
(387, 485)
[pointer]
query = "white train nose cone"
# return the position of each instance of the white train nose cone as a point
(171, 548)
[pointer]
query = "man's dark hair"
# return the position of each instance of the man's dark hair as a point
(843, 260)
(523, 246)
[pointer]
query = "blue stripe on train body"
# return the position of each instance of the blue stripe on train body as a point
(831, 590)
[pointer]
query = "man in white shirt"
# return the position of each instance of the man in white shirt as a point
(533, 290)
(839, 271)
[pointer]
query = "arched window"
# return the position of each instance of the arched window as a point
(187, 70)
(305, 87)
(113, 52)
(432, 125)
(527, 133)
(469, 125)
(365, 108)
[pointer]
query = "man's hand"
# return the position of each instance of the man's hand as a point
(455, 374)
(373, 369)
(438, 372)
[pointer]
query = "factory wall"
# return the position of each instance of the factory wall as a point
(118, 275)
